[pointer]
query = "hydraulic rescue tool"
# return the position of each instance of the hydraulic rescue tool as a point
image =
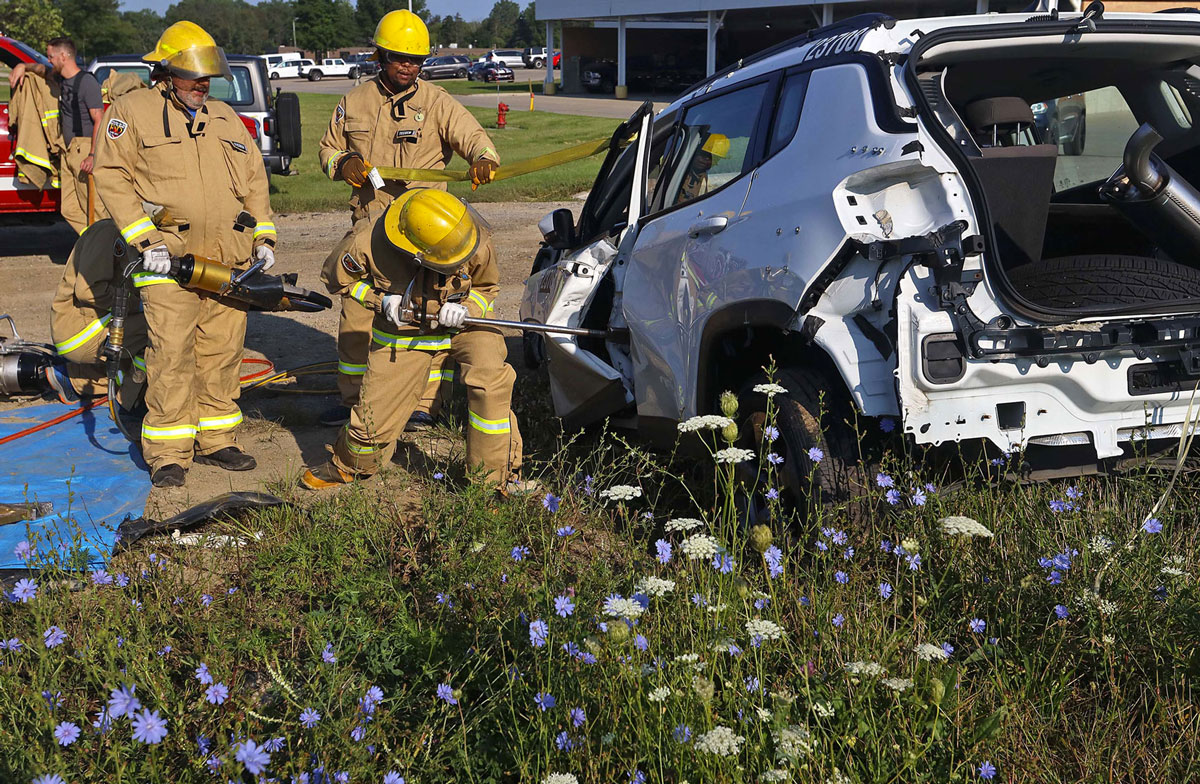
(23, 363)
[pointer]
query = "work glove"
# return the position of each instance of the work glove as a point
(390, 307)
(482, 171)
(264, 253)
(354, 169)
(452, 315)
(157, 260)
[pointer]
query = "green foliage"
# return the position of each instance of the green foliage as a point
(500, 25)
(322, 25)
(367, 14)
(234, 24)
(97, 26)
(32, 21)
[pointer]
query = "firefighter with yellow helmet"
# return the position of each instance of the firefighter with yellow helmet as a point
(395, 119)
(695, 179)
(426, 265)
(170, 151)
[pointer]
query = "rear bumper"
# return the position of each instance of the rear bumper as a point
(277, 163)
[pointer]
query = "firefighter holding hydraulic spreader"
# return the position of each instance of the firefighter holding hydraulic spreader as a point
(170, 151)
(422, 268)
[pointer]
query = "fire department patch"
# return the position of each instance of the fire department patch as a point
(338, 114)
(116, 128)
(351, 265)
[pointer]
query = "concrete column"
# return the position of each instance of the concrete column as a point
(981, 6)
(826, 14)
(710, 44)
(548, 87)
(622, 88)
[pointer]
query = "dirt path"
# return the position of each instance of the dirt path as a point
(281, 431)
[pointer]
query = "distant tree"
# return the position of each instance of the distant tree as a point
(32, 21)
(145, 26)
(322, 25)
(276, 17)
(235, 24)
(529, 31)
(454, 30)
(500, 25)
(96, 26)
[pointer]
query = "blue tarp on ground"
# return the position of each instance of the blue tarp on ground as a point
(94, 477)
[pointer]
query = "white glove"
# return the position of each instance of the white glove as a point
(264, 253)
(157, 260)
(452, 315)
(390, 308)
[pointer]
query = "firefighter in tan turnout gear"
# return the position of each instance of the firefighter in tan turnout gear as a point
(170, 151)
(395, 119)
(421, 268)
(80, 314)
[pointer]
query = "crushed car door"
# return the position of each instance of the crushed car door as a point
(579, 291)
(684, 253)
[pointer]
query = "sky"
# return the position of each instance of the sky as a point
(471, 10)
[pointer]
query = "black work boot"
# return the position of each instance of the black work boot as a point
(170, 475)
(418, 421)
(334, 417)
(230, 458)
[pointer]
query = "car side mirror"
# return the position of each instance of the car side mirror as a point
(558, 229)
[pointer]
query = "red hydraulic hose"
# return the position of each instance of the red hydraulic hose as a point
(88, 406)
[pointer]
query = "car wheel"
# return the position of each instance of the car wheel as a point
(425, 75)
(1074, 145)
(314, 76)
(1076, 282)
(539, 63)
(274, 76)
(460, 74)
(809, 415)
(287, 124)
(353, 73)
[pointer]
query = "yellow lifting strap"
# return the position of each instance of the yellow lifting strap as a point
(550, 159)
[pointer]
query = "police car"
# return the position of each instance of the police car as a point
(872, 207)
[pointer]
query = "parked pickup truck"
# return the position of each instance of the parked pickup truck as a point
(330, 67)
(17, 197)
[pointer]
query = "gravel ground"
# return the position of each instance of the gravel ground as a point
(281, 430)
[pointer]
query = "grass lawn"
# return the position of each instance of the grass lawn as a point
(624, 626)
(465, 87)
(528, 134)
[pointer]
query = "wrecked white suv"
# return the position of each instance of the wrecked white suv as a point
(875, 207)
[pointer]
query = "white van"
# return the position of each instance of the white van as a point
(275, 61)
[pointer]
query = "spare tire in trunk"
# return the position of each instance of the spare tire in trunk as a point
(287, 123)
(1104, 281)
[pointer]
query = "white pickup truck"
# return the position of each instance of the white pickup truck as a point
(329, 67)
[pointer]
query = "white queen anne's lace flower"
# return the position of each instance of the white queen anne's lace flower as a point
(683, 524)
(621, 493)
(956, 525)
(560, 778)
(792, 742)
(898, 684)
(721, 741)
(617, 607)
(705, 422)
(733, 454)
(764, 629)
(929, 652)
(688, 658)
(655, 586)
(770, 390)
(699, 546)
(867, 669)
(777, 774)
(660, 694)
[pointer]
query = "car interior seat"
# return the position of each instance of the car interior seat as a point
(1017, 174)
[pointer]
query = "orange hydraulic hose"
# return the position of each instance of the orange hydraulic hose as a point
(88, 406)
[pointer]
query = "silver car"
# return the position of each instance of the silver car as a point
(872, 208)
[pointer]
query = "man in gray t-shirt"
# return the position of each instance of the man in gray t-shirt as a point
(80, 107)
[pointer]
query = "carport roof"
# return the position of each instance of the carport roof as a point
(550, 10)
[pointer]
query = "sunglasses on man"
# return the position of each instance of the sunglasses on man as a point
(402, 59)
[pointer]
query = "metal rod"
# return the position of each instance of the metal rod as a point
(533, 326)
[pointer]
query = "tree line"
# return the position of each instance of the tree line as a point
(100, 27)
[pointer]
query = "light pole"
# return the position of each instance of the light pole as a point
(294, 33)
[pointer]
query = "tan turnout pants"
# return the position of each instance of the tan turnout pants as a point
(87, 366)
(395, 378)
(193, 365)
(74, 196)
(353, 345)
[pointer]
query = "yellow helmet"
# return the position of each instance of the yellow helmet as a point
(402, 32)
(186, 50)
(716, 145)
(436, 228)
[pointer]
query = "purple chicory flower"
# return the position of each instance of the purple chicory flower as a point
(254, 758)
(54, 637)
(538, 630)
(309, 718)
(550, 502)
(66, 733)
(446, 693)
(662, 549)
(217, 694)
(149, 727)
(24, 590)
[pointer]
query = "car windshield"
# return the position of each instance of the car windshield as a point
(239, 92)
(104, 71)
